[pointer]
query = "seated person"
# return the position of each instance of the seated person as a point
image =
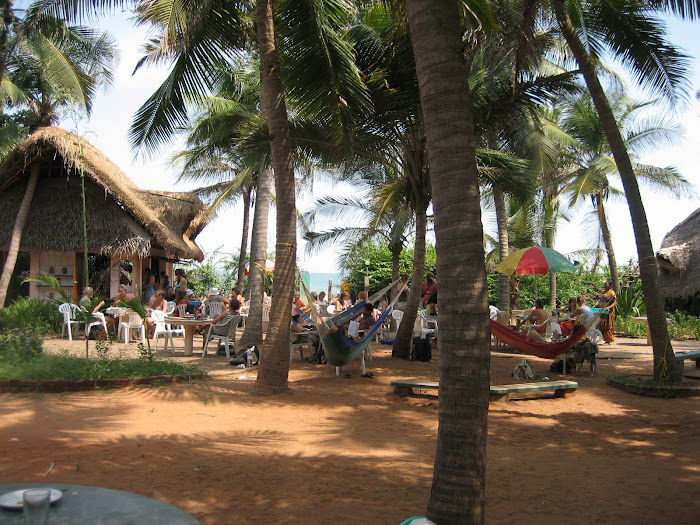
(124, 295)
(361, 296)
(88, 294)
(366, 320)
(214, 296)
(536, 337)
(301, 333)
(537, 317)
(220, 324)
(300, 304)
(343, 302)
(169, 293)
(568, 325)
(158, 303)
(182, 298)
(383, 303)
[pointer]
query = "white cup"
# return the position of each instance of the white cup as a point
(36, 504)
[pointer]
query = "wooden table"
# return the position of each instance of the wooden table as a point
(80, 504)
(645, 320)
(189, 323)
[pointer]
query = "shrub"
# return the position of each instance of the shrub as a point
(42, 316)
(18, 346)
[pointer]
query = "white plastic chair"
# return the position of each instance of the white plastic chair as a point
(213, 309)
(69, 321)
(133, 322)
(422, 326)
(230, 335)
(293, 344)
(243, 312)
(161, 329)
(97, 319)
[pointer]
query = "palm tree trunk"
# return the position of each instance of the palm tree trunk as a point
(395, 249)
(274, 365)
(244, 237)
(253, 333)
(499, 201)
(666, 367)
(607, 240)
(404, 335)
(6, 13)
(16, 236)
(457, 493)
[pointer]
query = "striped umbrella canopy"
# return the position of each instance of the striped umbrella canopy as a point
(537, 260)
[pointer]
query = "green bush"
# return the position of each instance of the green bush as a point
(41, 316)
(682, 326)
(19, 346)
(630, 303)
(46, 367)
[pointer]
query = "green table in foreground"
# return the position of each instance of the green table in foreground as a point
(80, 504)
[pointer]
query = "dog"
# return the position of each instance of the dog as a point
(525, 369)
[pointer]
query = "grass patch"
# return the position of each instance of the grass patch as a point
(46, 367)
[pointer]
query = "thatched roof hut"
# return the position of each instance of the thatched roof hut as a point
(121, 217)
(679, 259)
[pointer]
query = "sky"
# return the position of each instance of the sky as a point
(109, 122)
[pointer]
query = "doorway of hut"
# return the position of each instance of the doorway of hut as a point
(98, 274)
(17, 288)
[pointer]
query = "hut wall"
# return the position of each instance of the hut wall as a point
(56, 264)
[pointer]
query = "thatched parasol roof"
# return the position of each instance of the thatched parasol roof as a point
(679, 259)
(121, 216)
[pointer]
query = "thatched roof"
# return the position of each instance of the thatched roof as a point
(679, 259)
(121, 216)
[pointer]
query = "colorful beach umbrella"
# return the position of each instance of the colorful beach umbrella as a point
(537, 260)
(269, 267)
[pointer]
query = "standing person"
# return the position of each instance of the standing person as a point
(401, 302)
(322, 304)
(149, 284)
(181, 280)
(164, 280)
(608, 301)
(429, 288)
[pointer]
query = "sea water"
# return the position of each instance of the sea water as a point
(319, 282)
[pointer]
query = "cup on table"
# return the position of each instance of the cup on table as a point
(36, 504)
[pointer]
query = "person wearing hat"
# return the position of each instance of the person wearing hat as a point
(214, 296)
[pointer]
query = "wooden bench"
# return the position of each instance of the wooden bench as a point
(404, 387)
(561, 388)
(693, 356)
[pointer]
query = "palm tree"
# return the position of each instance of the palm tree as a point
(54, 65)
(594, 166)
(457, 495)
(635, 35)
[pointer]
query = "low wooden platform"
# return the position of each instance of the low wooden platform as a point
(561, 388)
(405, 387)
(692, 356)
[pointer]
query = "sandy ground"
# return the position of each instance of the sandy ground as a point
(336, 449)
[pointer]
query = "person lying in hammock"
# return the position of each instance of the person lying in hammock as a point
(366, 322)
(534, 335)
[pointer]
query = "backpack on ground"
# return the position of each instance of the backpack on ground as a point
(241, 357)
(421, 350)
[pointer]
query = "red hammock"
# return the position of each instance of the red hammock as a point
(546, 350)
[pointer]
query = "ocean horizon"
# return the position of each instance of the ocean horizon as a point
(318, 281)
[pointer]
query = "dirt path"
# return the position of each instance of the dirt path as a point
(336, 449)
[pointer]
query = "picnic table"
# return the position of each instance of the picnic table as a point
(81, 504)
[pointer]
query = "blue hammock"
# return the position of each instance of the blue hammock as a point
(339, 348)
